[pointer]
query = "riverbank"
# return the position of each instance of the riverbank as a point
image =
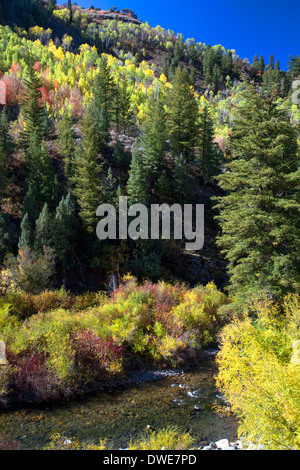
(185, 399)
(59, 347)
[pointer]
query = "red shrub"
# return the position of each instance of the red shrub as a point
(94, 355)
(31, 380)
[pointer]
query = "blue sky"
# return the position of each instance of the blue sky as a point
(253, 27)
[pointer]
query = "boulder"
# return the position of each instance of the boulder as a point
(223, 444)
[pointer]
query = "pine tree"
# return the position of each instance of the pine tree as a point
(110, 188)
(137, 185)
(87, 176)
(261, 65)
(259, 215)
(181, 181)
(122, 113)
(104, 96)
(182, 115)
(227, 64)
(65, 224)
(271, 63)
(153, 138)
(209, 158)
(70, 11)
(216, 78)
(41, 174)
(26, 237)
(34, 114)
(163, 187)
(121, 158)
(44, 232)
(255, 66)
(66, 141)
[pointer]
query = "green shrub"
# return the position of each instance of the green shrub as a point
(259, 373)
(166, 439)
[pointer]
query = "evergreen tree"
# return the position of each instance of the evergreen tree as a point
(271, 63)
(294, 66)
(110, 188)
(261, 65)
(227, 64)
(153, 138)
(34, 113)
(104, 97)
(65, 225)
(181, 180)
(255, 66)
(137, 185)
(44, 232)
(209, 158)
(122, 113)
(121, 158)
(182, 115)
(163, 187)
(259, 215)
(66, 141)
(41, 176)
(87, 177)
(70, 11)
(178, 51)
(26, 237)
(30, 204)
(216, 78)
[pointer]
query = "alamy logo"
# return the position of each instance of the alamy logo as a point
(139, 222)
(296, 92)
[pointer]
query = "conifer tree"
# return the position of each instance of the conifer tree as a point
(259, 215)
(255, 67)
(181, 180)
(209, 158)
(70, 11)
(41, 174)
(122, 113)
(182, 115)
(87, 176)
(153, 138)
(44, 232)
(110, 188)
(163, 187)
(271, 63)
(26, 237)
(121, 158)
(261, 65)
(34, 113)
(104, 95)
(65, 225)
(137, 185)
(66, 141)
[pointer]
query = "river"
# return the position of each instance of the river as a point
(185, 399)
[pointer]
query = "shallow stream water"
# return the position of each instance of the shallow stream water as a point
(184, 399)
